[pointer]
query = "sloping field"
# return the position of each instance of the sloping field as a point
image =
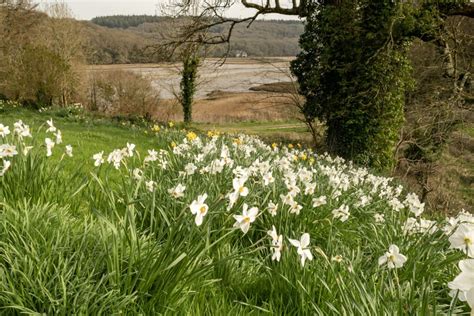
(162, 221)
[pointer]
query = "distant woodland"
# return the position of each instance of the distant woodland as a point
(130, 39)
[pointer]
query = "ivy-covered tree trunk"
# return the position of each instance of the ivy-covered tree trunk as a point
(353, 71)
(188, 84)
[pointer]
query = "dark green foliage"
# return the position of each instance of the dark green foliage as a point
(354, 72)
(126, 21)
(188, 84)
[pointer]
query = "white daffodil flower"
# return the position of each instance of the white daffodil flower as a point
(115, 158)
(414, 205)
(51, 127)
(295, 208)
(463, 284)
(272, 208)
(233, 196)
(342, 213)
(470, 300)
(130, 149)
(451, 225)
(150, 185)
(5, 167)
(322, 200)
(303, 249)
(427, 226)
(248, 216)
(152, 156)
(268, 178)
(4, 130)
(137, 174)
(190, 168)
(98, 159)
(277, 244)
(294, 190)
(336, 194)
(239, 186)
(69, 150)
(411, 226)
(465, 217)
(395, 204)
(178, 191)
(59, 137)
(379, 218)
(7, 150)
(49, 146)
(364, 201)
(463, 239)
(199, 208)
(239, 190)
(287, 199)
(21, 129)
(393, 258)
(310, 188)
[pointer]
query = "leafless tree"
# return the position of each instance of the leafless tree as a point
(64, 37)
(211, 13)
(39, 54)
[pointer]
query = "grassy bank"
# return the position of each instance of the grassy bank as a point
(208, 224)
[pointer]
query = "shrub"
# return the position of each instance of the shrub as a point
(122, 93)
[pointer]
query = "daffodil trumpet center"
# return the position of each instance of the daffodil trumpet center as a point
(468, 241)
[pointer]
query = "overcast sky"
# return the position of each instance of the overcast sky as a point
(87, 9)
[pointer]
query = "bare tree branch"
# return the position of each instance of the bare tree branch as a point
(296, 9)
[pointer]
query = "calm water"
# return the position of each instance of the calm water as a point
(236, 75)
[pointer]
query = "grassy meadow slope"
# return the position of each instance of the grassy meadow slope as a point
(207, 224)
(85, 133)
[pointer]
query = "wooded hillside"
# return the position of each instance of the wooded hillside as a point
(127, 39)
